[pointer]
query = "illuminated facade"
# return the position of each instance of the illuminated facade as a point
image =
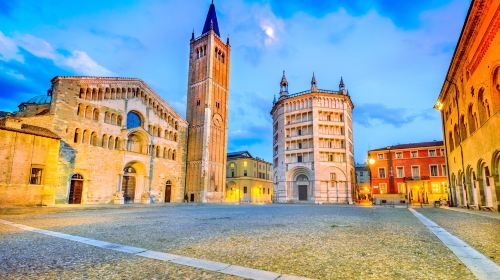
(119, 142)
(363, 187)
(207, 111)
(409, 171)
(469, 103)
(248, 179)
(313, 145)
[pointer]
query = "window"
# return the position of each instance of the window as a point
(36, 176)
(299, 158)
(380, 156)
(400, 173)
(381, 172)
(414, 154)
(299, 132)
(401, 188)
(133, 120)
(198, 102)
(245, 163)
(231, 165)
(300, 145)
(432, 153)
(415, 171)
(443, 170)
(399, 155)
(245, 189)
(245, 173)
(434, 170)
(333, 177)
(436, 188)
(232, 173)
(382, 187)
(442, 153)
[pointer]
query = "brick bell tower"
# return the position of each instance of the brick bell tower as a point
(207, 111)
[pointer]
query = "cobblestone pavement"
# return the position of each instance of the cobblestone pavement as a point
(324, 242)
(480, 232)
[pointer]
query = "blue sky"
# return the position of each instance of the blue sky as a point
(393, 56)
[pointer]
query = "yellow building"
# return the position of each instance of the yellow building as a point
(469, 103)
(248, 179)
(29, 166)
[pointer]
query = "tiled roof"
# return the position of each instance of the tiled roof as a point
(33, 130)
(40, 99)
(412, 145)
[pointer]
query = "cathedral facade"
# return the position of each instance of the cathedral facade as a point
(114, 140)
(313, 145)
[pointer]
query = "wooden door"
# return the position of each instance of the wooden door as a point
(75, 192)
(168, 193)
(128, 188)
(302, 192)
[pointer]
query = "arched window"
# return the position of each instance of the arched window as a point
(113, 119)
(88, 94)
(94, 94)
(456, 135)
(119, 120)
(173, 155)
(471, 120)
(481, 107)
(165, 152)
(175, 137)
(82, 93)
(107, 117)
(117, 143)
(99, 95)
(93, 139)
(77, 135)
(88, 112)
(158, 151)
(463, 129)
(107, 94)
(104, 142)
(133, 120)
(110, 143)
(85, 137)
(96, 114)
(169, 155)
(79, 110)
(450, 142)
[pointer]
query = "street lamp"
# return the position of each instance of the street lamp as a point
(371, 161)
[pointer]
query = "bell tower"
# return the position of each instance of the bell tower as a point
(207, 112)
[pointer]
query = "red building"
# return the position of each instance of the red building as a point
(415, 171)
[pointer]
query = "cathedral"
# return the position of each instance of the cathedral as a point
(114, 140)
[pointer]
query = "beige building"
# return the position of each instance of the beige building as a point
(469, 103)
(206, 112)
(313, 145)
(119, 142)
(248, 179)
(26, 152)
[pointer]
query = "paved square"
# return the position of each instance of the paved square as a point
(340, 242)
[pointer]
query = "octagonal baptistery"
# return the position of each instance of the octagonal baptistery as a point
(121, 142)
(313, 145)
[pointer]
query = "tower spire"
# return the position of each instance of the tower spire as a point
(283, 85)
(313, 83)
(341, 84)
(211, 21)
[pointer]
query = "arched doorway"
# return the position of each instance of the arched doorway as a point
(168, 191)
(75, 189)
(128, 184)
(302, 185)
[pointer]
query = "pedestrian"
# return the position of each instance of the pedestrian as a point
(185, 198)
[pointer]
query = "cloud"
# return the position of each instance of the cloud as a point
(373, 114)
(8, 49)
(82, 63)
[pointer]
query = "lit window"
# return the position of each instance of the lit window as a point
(399, 155)
(380, 156)
(36, 176)
(382, 187)
(245, 163)
(436, 188)
(401, 188)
